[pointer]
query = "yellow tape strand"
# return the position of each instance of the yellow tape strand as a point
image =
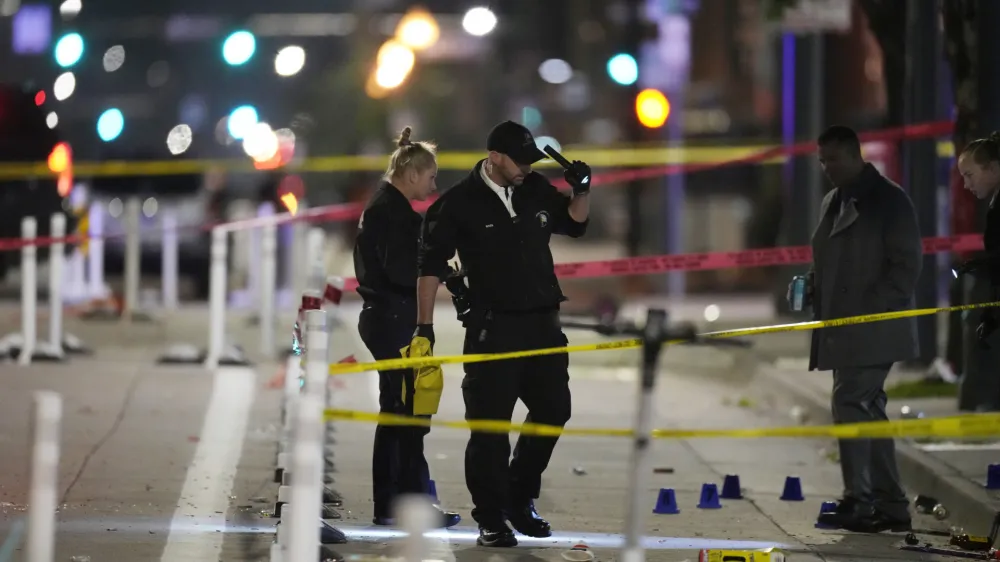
(450, 160)
(412, 363)
(969, 425)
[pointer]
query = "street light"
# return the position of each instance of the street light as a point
(418, 30)
(479, 21)
(69, 50)
(652, 108)
(289, 60)
(239, 47)
(623, 69)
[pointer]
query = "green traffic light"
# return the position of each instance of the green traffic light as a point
(623, 69)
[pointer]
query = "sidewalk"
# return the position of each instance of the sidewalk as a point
(953, 472)
(584, 487)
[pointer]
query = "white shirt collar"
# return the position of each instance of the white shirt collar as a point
(505, 194)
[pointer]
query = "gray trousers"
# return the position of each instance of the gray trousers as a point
(868, 465)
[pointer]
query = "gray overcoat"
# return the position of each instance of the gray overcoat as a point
(866, 259)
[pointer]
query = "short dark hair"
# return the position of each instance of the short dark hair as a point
(844, 136)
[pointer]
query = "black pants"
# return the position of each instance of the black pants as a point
(398, 463)
(491, 390)
(868, 466)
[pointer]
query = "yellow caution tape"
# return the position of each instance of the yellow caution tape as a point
(452, 160)
(969, 425)
(412, 363)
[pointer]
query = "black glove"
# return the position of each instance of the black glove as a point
(970, 266)
(987, 325)
(578, 176)
(425, 331)
(455, 282)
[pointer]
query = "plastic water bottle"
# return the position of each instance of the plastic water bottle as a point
(798, 293)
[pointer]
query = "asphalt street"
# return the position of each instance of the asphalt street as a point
(175, 463)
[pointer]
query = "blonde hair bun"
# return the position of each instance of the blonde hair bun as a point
(404, 137)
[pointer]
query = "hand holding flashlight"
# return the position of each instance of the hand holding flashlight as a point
(577, 173)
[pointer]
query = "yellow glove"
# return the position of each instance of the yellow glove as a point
(428, 382)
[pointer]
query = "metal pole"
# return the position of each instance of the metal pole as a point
(652, 343)
(29, 290)
(921, 30)
(57, 255)
(170, 257)
(217, 297)
(133, 210)
(95, 252)
(42, 498)
(267, 281)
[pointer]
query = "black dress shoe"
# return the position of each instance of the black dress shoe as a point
(873, 522)
(526, 521)
(496, 535)
(447, 519)
(879, 523)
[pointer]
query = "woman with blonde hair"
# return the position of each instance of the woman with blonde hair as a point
(385, 262)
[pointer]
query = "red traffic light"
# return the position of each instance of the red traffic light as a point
(40, 97)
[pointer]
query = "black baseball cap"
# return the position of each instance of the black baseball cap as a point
(516, 141)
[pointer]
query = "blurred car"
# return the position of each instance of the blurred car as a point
(184, 197)
(26, 138)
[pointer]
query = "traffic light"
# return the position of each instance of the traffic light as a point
(241, 121)
(61, 164)
(623, 69)
(652, 108)
(238, 48)
(110, 124)
(69, 50)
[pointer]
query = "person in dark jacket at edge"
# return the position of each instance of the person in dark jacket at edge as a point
(867, 256)
(385, 262)
(500, 219)
(979, 164)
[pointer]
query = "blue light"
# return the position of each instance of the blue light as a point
(110, 124)
(239, 47)
(241, 120)
(69, 50)
(623, 69)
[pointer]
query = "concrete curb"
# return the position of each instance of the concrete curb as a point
(921, 472)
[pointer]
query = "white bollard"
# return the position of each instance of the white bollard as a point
(317, 348)
(57, 255)
(255, 248)
(307, 452)
(415, 516)
(133, 212)
(297, 254)
(29, 290)
(315, 257)
(217, 298)
(267, 281)
(169, 271)
(76, 278)
(95, 251)
(46, 419)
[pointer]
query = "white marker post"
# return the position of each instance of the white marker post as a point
(267, 281)
(169, 255)
(217, 297)
(57, 256)
(133, 210)
(307, 451)
(29, 290)
(42, 498)
(416, 517)
(95, 251)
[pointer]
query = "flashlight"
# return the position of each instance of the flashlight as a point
(562, 160)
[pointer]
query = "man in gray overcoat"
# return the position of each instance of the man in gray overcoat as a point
(867, 256)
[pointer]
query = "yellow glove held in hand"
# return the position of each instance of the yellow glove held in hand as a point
(428, 383)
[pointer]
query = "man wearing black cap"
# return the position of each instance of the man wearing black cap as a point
(500, 219)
